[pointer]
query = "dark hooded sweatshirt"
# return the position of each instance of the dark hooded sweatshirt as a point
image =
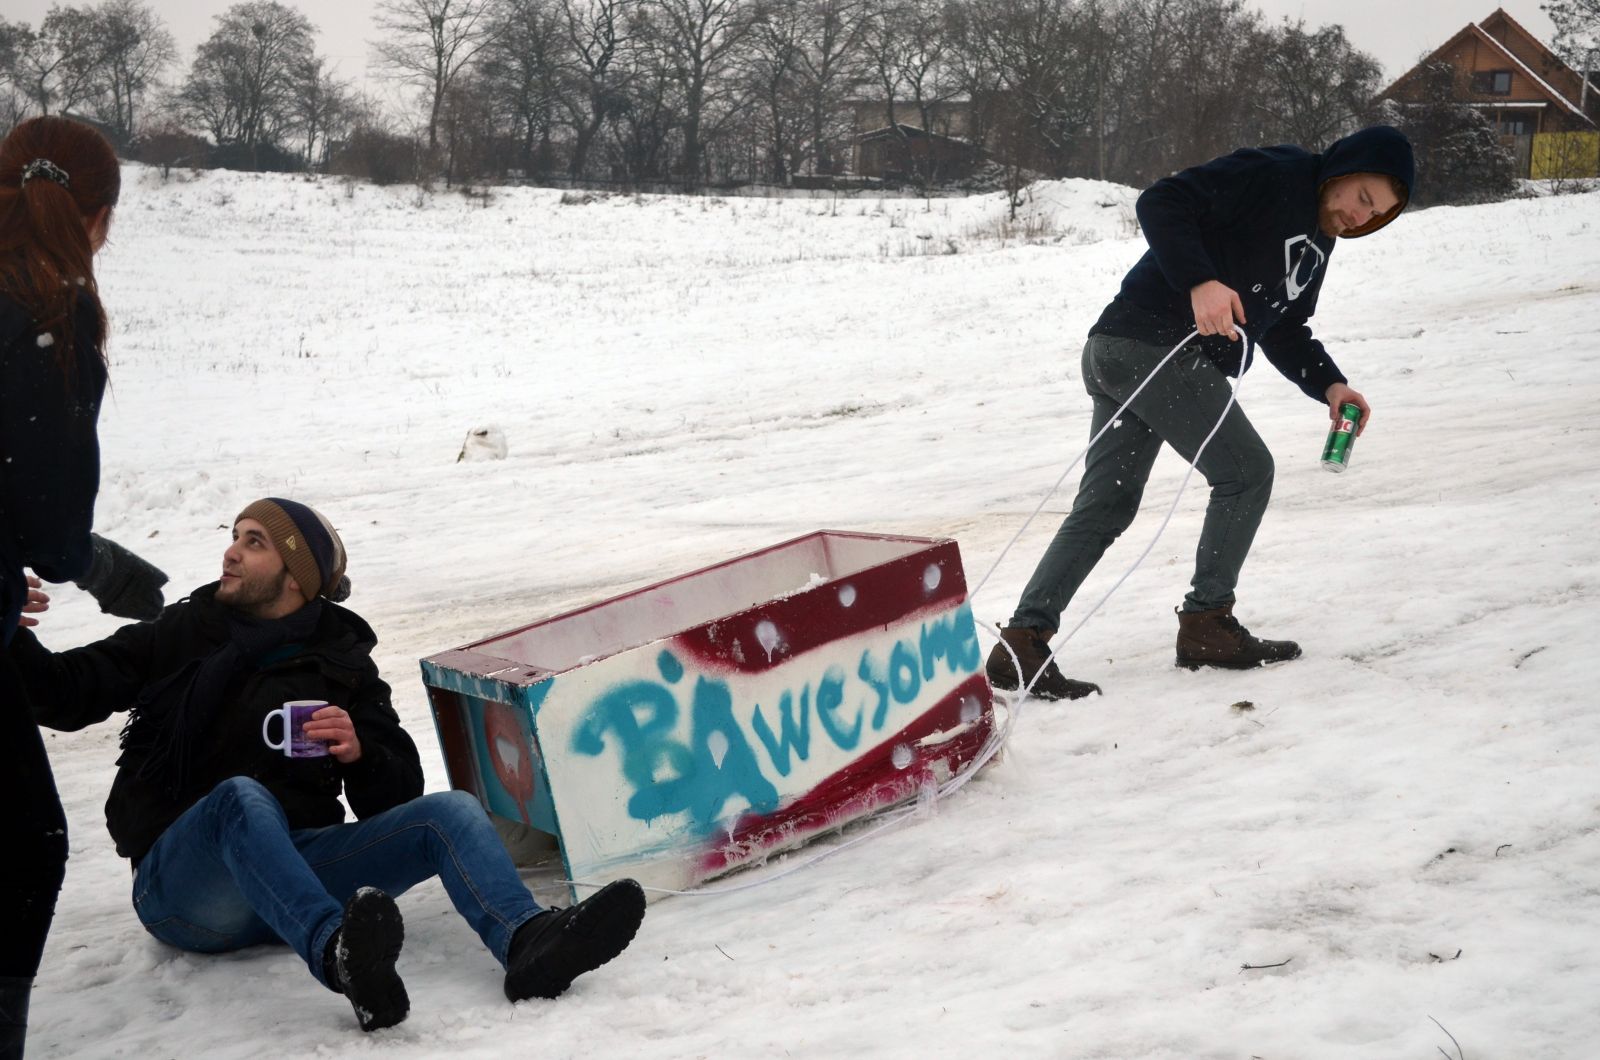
(1249, 220)
(82, 686)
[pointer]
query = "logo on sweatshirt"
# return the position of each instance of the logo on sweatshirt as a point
(1297, 275)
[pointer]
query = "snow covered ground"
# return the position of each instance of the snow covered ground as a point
(1406, 825)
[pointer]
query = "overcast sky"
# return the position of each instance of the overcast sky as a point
(1398, 32)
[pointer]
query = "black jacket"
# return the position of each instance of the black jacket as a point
(77, 688)
(1248, 219)
(49, 454)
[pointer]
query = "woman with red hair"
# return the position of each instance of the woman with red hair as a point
(59, 181)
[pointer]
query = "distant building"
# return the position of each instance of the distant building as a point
(905, 154)
(903, 151)
(1547, 111)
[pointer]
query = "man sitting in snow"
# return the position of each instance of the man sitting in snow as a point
(235, 844)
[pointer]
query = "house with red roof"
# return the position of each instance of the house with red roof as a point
(1547, 111)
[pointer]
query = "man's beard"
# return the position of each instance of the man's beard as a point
(249, 594)
(1329, 221)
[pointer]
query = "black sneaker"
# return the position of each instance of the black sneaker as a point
(558, 945)
(364, 952)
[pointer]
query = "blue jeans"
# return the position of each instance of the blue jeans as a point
(1179, 407)
(231, 873)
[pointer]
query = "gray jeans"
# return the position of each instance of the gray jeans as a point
(1179, 407)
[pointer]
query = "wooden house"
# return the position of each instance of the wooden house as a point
(1548, 112)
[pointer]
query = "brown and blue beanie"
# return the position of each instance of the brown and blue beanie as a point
(308, 543)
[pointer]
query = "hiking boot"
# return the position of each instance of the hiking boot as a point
(361, 956)
(554, 948)
(1032, 649)
(1215, 638)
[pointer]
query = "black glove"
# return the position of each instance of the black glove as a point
(123, 584)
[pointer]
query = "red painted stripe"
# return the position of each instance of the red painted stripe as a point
(876, 598)
(867, 784)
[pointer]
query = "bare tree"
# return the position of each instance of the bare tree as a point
(15, 99)
(1183, 74)
(643, 128)
(1577, 25)
(1577, 41)
(521, 73)
(909, 47)
(1037, 73)
(831, 67)
(700, 41)
(58, 63)
(136, 50)
(772, 65)
(470, 122)
(1316, 85)
(97, 61)
(242, 86)
(322, 107)
(599, 69)
(429, 43)
(372, 148)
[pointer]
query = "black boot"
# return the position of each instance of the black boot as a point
(1215, 638)
(1032, 649)
(14, 994)
(555, 947)
(360, 958)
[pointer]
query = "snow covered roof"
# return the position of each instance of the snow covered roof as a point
(1526, 69)
(908, 130)
(1476, 31)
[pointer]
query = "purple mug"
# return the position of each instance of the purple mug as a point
(295, 743)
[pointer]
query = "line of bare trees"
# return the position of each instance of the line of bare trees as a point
(712, 90)
(706, 91)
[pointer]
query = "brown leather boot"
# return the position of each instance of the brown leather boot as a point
(1032, 648)
(1215, 638)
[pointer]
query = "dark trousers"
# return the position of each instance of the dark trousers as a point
(1179, 407)
(33, 831)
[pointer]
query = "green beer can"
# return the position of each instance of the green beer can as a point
(1336, 453)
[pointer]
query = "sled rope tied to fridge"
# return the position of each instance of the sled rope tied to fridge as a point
(932, 793)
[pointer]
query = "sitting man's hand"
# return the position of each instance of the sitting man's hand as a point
(123, 584)
(38, 601)
(333, 727)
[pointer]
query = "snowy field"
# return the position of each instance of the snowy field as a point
(1406, 825)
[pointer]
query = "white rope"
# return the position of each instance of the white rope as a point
(1051, 492)
(1233, 398)
(997, 741)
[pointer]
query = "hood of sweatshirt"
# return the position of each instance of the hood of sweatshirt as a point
(1381, 149)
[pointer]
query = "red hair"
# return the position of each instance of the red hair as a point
(46, 258)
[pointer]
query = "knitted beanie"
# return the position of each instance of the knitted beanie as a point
(308, 543)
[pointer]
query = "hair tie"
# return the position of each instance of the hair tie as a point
(43, 167)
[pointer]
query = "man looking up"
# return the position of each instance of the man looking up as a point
(235, 843)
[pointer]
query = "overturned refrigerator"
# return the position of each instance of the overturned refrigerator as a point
(682, 730)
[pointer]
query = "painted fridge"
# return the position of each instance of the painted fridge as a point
(684, 729)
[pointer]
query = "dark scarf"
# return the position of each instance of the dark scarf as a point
(169, 717)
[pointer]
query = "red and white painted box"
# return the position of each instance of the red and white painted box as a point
(684, 729)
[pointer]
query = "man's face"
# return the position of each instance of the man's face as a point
(1350, 202)
(254, 577)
